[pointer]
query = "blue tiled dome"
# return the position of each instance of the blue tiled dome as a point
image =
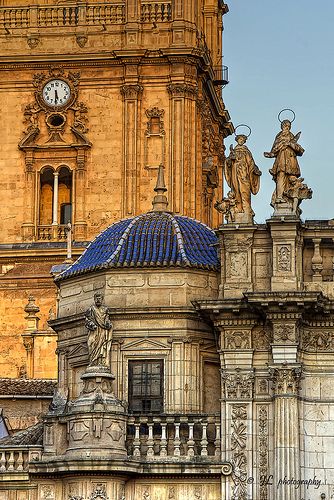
(153, 239)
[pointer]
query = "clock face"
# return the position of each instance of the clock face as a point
(56, 93)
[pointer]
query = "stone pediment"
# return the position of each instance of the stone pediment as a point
(78, 350)
(144, 345)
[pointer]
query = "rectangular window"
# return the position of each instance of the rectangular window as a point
(146, 386)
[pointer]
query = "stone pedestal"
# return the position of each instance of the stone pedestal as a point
(287, 273)
(236, 256)
(96, 420)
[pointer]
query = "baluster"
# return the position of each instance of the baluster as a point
(177, 441)
(19, 462)
(317, 266)
(204, 441)
(217, 440)
(163, 442)
(2, 462)
(150, 441)
(136, 441)
(191, 442)
(11, 461)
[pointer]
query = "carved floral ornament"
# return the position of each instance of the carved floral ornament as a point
(284, 333)
(238, 385)
(318, 340)
(182, 90)
(238, 446)
(286, 380)
(263, 451)
(132, 91)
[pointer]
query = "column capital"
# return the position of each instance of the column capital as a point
(286, 379)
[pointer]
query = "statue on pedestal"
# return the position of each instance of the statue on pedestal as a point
(290, 190)
(243, 177)
(99, 326)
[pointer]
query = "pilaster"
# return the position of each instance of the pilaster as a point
(131, 112)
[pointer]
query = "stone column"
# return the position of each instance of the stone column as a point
(131, 95)
(55, 199)
(78, 216)
(237, 371)
(286, 430)
(28, 335)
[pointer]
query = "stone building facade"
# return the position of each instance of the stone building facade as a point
(190, 363)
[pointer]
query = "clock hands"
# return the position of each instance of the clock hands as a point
(56, 96)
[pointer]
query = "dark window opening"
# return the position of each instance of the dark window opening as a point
(146, 386)
(65, 213)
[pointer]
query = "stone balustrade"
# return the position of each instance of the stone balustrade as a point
(174, 437)
(42, 16)
(17, 458)
(50, 232)
(62, 15)
(156, 11)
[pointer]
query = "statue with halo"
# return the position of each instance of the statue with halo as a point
(243, 178)
(290, 189)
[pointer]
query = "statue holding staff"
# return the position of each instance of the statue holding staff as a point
(99, 326)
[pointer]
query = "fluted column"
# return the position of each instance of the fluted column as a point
(131, 95)
(286, 430)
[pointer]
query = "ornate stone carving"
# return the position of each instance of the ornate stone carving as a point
(261, 338)
(284, 333)
(286, 380)
(290, 190)
(243, 178)
(132, 91)
(75, 497)
(238, 264)
(99, 326)
(182, 90)
(146, 495)
(317, 340)
(154, 146)
(48, 492)
(284, 258)
(198, 493)
(80, 117)
(237, 340)
(99, 493)
(81, 40)
(33, 41)
(227, 207)
(263, 453)
(238, 446)
(172, 493)
(238, 385)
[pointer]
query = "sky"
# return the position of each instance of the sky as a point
(280, 54)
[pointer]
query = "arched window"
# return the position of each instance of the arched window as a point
(55, 202)
(46, 196)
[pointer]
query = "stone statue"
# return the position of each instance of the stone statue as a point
(243, 177)
(290, 190)
(99, 328)
(227, 207)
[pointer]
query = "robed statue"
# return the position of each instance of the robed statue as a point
(290, 190)
(243, 177)
(99, 326)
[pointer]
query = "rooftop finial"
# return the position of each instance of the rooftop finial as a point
(160, 201)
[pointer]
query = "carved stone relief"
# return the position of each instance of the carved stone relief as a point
(284, 333)
(238, 385)
(99, 493)
(48, 492)
(263, 452)
(239, 458)
(237, 340)
(237, 264)
(261, 338)
(154, 145)
(317, 340)
(182, 90)
(132, 91)
(284, 258)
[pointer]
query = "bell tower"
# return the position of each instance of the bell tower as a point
(96, 95)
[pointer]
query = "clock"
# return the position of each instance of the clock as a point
(56, 93)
